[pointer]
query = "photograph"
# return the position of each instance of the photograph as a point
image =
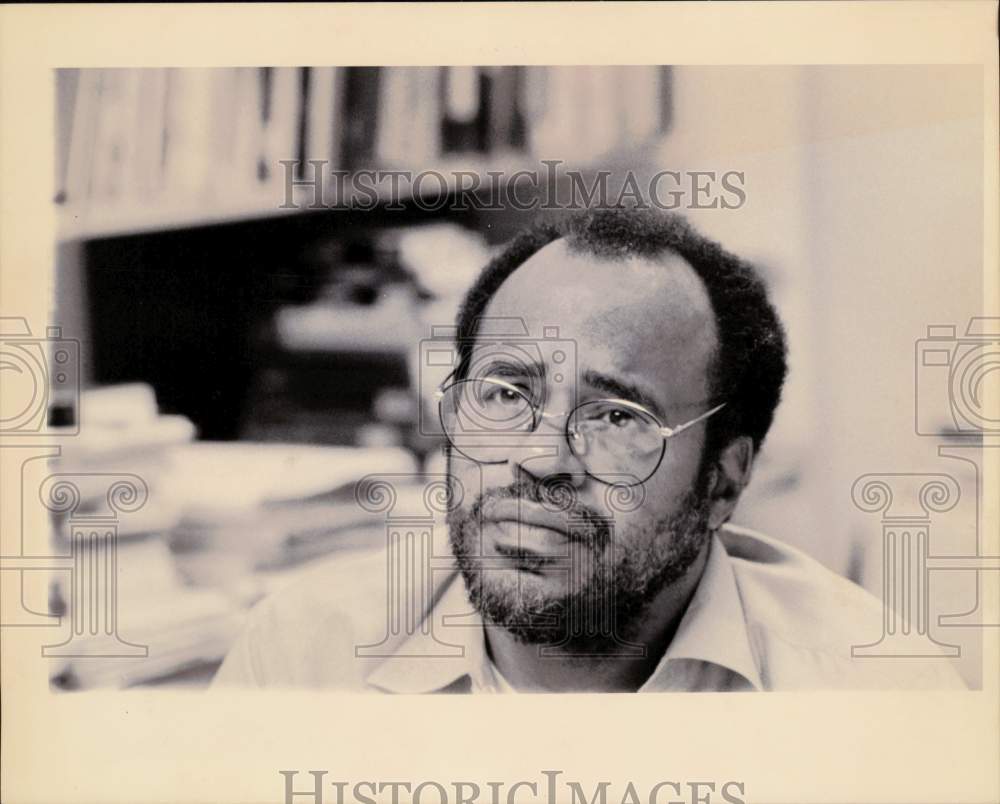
(357, 377)
(534, 379)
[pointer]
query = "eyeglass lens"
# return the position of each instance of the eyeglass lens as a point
(612, 440)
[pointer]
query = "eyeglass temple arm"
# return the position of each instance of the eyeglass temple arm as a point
(669, 432)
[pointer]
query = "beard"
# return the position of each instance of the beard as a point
(611, 581)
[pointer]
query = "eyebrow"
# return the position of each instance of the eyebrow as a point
(513, 368)
(623, 390)
(613, 386)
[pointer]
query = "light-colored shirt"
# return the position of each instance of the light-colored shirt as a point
(763, 617)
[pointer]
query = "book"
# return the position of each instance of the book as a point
(248, 140)
(596, 92)
(393, 142)
(507, 122)
(145, 172)
(666, 88)
(552, 100)
(424, 113)
(280, 123)
(67, 83)
(83, 135)
(360, 116)
(324, 120)
(409, 117)
(117, 101)
(463, 127)
(187, 161)
(639, 97)
(222, 132)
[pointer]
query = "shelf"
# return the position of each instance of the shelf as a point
(88, 222)
(93, 222)
(150, 150)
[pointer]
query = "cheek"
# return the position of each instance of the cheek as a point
(476, 478)
(634, 531)
(640, 509)
(678, 471)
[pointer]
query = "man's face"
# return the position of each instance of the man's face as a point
(535, 535)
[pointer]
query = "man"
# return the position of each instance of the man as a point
(591, 498)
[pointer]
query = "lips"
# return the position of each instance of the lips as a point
(526, 558)
(527, 513)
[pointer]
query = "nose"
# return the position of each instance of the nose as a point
(549, 460)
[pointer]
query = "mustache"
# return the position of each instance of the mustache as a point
(557, 496)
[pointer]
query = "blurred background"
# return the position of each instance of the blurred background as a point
(252, 358)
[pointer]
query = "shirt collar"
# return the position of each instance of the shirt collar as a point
(447, 647)
(448, 651)
(713, 629)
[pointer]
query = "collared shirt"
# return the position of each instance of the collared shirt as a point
(763, 617)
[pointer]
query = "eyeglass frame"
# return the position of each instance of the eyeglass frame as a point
(538, 413)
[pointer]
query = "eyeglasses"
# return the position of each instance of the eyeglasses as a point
(612, 438)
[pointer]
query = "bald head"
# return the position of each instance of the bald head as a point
(629, 251)
(648, 320)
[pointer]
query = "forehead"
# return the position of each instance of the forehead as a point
(641, 320)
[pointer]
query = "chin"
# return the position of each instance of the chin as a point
(529, 606)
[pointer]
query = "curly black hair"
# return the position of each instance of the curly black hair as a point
(749, 367)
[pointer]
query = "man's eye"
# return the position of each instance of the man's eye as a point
(611, 416)
(502, 395)
(619, 418)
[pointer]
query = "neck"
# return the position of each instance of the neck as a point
(616, 665)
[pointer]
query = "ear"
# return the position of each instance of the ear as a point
(729, 476)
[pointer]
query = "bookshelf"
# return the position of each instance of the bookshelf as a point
(82, 221)
(143, 150)
(177, 244)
